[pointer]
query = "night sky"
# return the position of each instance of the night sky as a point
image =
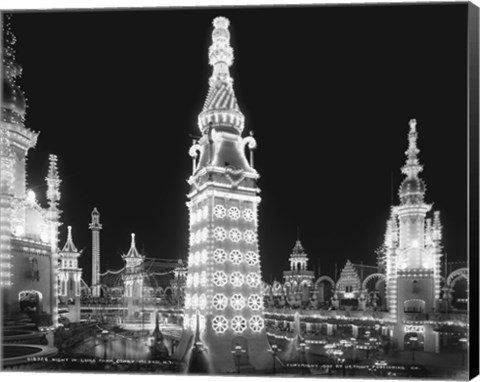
(327, 90)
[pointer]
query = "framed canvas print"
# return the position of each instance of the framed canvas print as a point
(282, 190)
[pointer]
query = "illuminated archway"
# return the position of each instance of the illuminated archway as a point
(324, 294)
(327, 279)
(379, 276)
(456, 275)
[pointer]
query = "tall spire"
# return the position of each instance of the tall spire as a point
(412, 189)
(412, 166)
(221, 110)
(53, 182)
(133, 252)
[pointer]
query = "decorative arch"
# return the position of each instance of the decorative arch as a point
(327, 279)
(456, 275)
(379, 276)
(380, 281)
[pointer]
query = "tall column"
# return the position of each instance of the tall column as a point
(95, 226)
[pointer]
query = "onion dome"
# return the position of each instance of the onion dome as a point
(221, 110)
(412, 189)
(14, 104)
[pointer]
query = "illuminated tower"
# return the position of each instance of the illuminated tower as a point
(95, 226)
(69, 276)
(224, 282)
(413, 254)
(133, 277)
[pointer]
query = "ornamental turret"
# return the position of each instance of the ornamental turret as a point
(298, 272)
(133, 276)
(70, 275)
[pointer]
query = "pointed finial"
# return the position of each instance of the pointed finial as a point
(133, 241)
(69, 245)
(220, 53)
(413, 124)
(412, 166)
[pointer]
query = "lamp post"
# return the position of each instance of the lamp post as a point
(274, 350)
(303, 349)
(105, 336)
(463, 342)
(354, 349)
(347, 345)
(237, 352)
(413, 342)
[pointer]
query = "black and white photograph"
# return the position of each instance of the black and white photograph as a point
(264, 190)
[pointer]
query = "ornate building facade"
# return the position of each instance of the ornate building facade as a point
(408, 297)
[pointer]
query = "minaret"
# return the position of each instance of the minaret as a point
(224, 283)
(95, 226)
(133, 277)
(53, 198)
(413, 255)
(70, 277)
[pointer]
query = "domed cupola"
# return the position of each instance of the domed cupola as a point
(412, 189)
(14, 104)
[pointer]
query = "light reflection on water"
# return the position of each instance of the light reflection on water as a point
(122, 348)
(118, 347)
